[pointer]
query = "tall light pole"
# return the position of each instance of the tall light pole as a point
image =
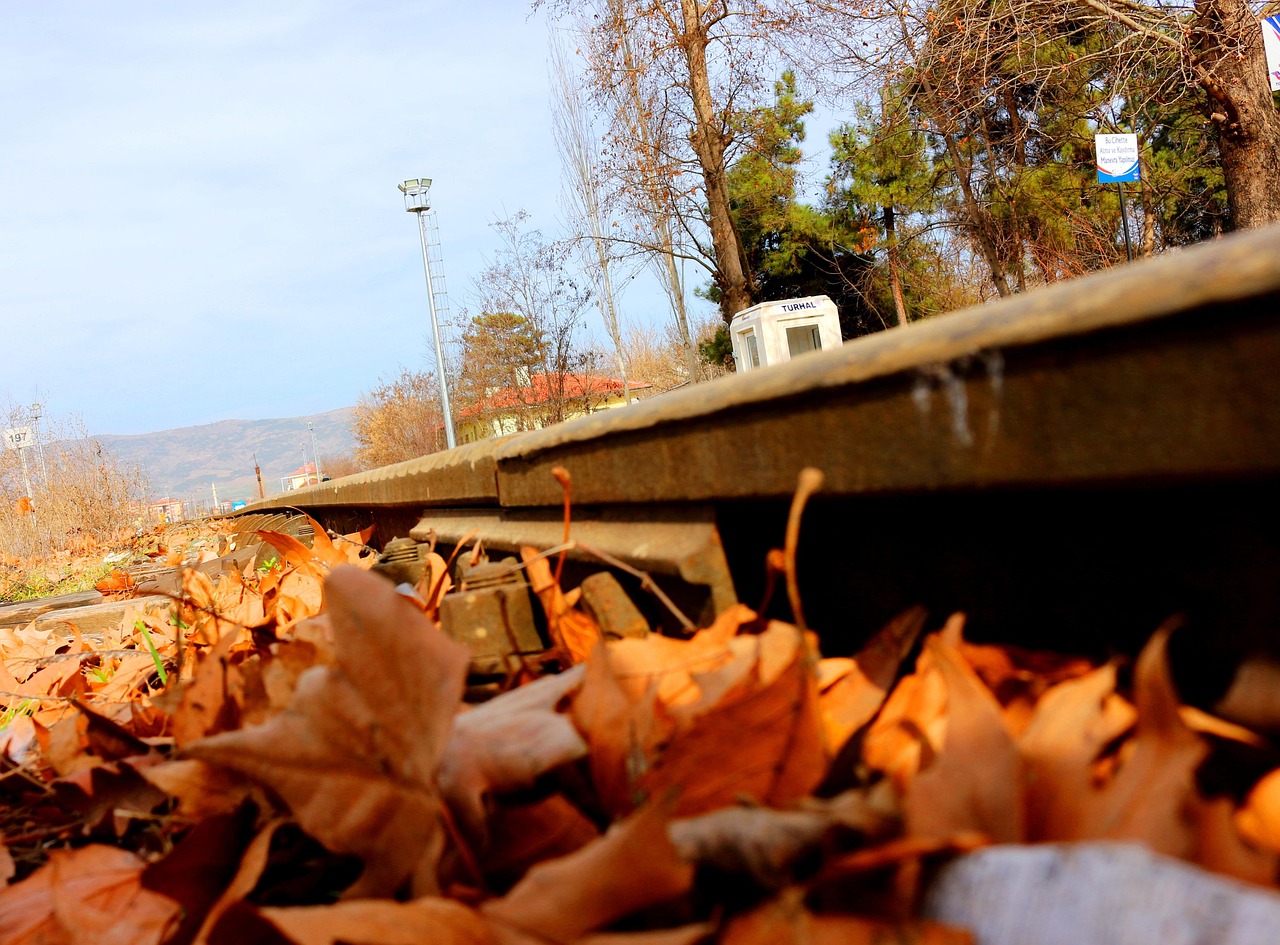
(415, 201)
(314, 454)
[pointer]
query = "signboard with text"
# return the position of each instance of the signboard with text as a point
(1116, 157)
(17, 438)
(1271, 40)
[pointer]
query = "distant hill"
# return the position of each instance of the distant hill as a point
(184, 463)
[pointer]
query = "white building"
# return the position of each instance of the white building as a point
(776, 332)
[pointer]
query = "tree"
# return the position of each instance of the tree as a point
(529, 291)
(585, 196)
(399, 419)
(685, 67)
(792, 249)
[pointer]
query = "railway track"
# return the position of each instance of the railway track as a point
(1069, 467)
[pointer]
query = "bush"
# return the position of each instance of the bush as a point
(80, 497)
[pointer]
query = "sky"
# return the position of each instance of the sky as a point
(199, 218)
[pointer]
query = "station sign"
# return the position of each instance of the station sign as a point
(1116, 157)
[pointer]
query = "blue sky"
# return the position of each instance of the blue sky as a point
(198, 209)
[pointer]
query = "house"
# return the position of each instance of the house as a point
(303, 476)
(776, 332)
(165, 510)
(547, 399)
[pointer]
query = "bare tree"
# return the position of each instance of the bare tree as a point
(576, 142)
(399, 419)
(672, 74)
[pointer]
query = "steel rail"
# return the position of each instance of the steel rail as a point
(1124, 425)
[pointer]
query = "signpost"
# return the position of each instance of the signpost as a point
(19, 438)
(1116, 157)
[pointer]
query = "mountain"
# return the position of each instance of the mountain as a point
(184, 463)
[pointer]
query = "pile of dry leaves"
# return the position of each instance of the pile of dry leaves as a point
(289, 758)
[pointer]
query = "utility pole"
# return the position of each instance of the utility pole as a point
(315, 454)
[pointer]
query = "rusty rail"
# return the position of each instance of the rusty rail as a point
(1068, 466)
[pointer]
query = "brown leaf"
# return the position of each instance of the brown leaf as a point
(1071, 725)
(322, 547)
(246, 877)
(785, 921)
(205, 705)
(684, 935)
(974, 783)
(854, 699)
(89, 896)
(1148, 800)
(1221, 848)
(670, 664)
(573, 629)
(382, 922)
(202, 790)
(763, 743)
(505, 744)
(631, 867)
(1259, 819)
(355, 754)
(524, 834)
(623, 733)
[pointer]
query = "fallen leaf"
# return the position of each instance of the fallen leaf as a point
(854, 699)
(202, 790)
(1220, 846)
(89, 896)
(1071, 725)
(632, 866)
(355, 755)
(623, 734)
(974, 783)
(1259, 818)
(785, 921)
(381, 922)
(505, 744)
(573, 629)
(761, 743)
(1149, 798)
(521, 835)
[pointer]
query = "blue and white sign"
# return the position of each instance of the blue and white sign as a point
(1116, 157)
(1271, 40)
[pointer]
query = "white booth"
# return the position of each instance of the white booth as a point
(776, 332)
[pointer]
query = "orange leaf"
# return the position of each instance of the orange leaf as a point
(382, 922)
(631, 867)
(572, 629)
(974, 783)
(355, 754)
(1149, 798)
(764, 743)
(89, 896)
(785, 921)
(506, 744)
(1071, 724)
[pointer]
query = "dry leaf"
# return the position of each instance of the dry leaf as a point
(89, 896)
(574, 630)
(505, 744)
(623, 734)
(631, 867)
(1071, 724)
(853, 700)
(1259, 819)
(354, 756)
(1149, 799)
(760, 743)
(381, 922)
(974, 783)
(785, 921)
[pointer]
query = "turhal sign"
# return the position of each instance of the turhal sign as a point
(1116, 157)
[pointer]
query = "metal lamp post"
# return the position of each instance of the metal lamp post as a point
(315, 455)
(416, 201)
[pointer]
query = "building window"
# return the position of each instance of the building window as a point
(803, 338)
(753, 352)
